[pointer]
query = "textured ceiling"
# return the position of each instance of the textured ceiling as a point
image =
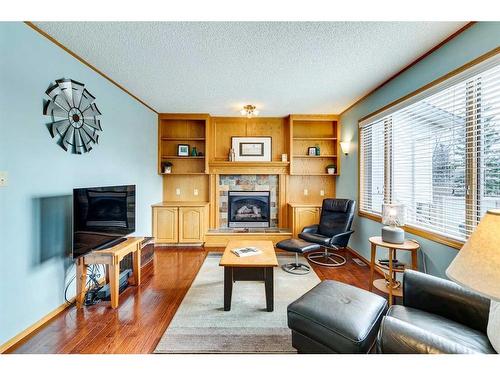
(282, 67)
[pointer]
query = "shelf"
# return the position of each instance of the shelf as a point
(181, 139)
(315, 157)
(185, 173)
(313, 174)
(314, 139)
(381, 285)
(180, 204)
(386, 268)
(182, 157)
(249, 167)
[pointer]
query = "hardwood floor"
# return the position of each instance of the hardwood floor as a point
(144, 313)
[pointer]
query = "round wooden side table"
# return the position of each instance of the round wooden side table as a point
(388, 285)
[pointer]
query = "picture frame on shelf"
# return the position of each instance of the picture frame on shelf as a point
(182, 150)
(252, 148)
(311, 151)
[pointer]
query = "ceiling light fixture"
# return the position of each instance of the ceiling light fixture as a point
(249, 110)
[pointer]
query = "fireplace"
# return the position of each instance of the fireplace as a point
(248, 209)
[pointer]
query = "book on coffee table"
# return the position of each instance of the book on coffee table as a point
(246, 251)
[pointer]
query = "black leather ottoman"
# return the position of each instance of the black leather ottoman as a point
(334, 317)
(297, 246)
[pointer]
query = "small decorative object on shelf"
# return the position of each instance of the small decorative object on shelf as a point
(330, 169)
(311, 151)
(200, 153)
(284, 157)
(318, 150)
(391, 282)
(194, 151)
(393, 216)
(182, 150)
(231, 154)
(167, 167)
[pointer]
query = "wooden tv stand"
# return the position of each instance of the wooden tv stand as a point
(111, 259)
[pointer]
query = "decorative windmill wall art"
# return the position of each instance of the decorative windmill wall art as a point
(74, 116)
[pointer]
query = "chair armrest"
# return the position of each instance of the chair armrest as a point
(398, 337)
(311, 229)
(341, 239)
(445, 298)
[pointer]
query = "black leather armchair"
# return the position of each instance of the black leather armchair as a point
(437, 316)
(332, 232)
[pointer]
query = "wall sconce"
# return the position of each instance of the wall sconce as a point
(249, 110)
(345, 146)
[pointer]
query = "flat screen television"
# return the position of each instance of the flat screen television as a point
(102, 216)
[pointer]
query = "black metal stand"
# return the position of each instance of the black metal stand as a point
(326, 258)
(296, 268)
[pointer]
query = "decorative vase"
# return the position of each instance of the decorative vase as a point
(318, 150)
(194, 152)
(330, 170)
(167, 169)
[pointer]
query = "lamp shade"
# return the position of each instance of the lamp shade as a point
(345, 146)
(477, 265)
(393, 214)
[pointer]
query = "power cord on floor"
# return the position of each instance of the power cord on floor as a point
(92, 285)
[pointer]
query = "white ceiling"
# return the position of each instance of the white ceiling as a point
(217, 67)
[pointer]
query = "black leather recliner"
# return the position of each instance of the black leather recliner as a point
(437, 316)
(332, 232)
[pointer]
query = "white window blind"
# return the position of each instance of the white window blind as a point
(438, 153)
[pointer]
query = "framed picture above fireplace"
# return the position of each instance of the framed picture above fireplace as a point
(252, 148)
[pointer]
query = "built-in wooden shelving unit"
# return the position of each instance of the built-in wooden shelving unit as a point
(190, 129)
(303, 181)
(311, 131)
(308, 172)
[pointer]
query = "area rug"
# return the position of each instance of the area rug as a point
(201, 325)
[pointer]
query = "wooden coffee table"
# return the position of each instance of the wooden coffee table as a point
(253, 268)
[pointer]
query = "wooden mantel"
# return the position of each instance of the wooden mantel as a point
(233, 167)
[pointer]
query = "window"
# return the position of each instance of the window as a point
(438, 153)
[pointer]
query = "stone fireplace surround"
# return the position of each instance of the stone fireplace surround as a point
(247, 182)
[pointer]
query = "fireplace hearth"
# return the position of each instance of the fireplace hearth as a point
(248, 209)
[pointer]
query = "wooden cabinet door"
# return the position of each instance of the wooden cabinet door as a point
(191, 224)
(165, 224)
(305, 216)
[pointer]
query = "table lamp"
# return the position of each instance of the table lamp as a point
(393, 216)
(477, 267)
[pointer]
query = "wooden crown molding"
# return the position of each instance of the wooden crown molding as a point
(85, 62)
(414, 62)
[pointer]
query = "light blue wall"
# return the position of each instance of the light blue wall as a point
(474, 42)
(35, 206)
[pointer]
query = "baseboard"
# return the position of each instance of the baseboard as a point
(13, 341)
(32, 328)
(20, 336)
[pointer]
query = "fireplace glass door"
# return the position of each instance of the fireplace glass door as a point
(249, 209)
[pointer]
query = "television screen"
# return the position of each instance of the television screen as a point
(101, 216)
